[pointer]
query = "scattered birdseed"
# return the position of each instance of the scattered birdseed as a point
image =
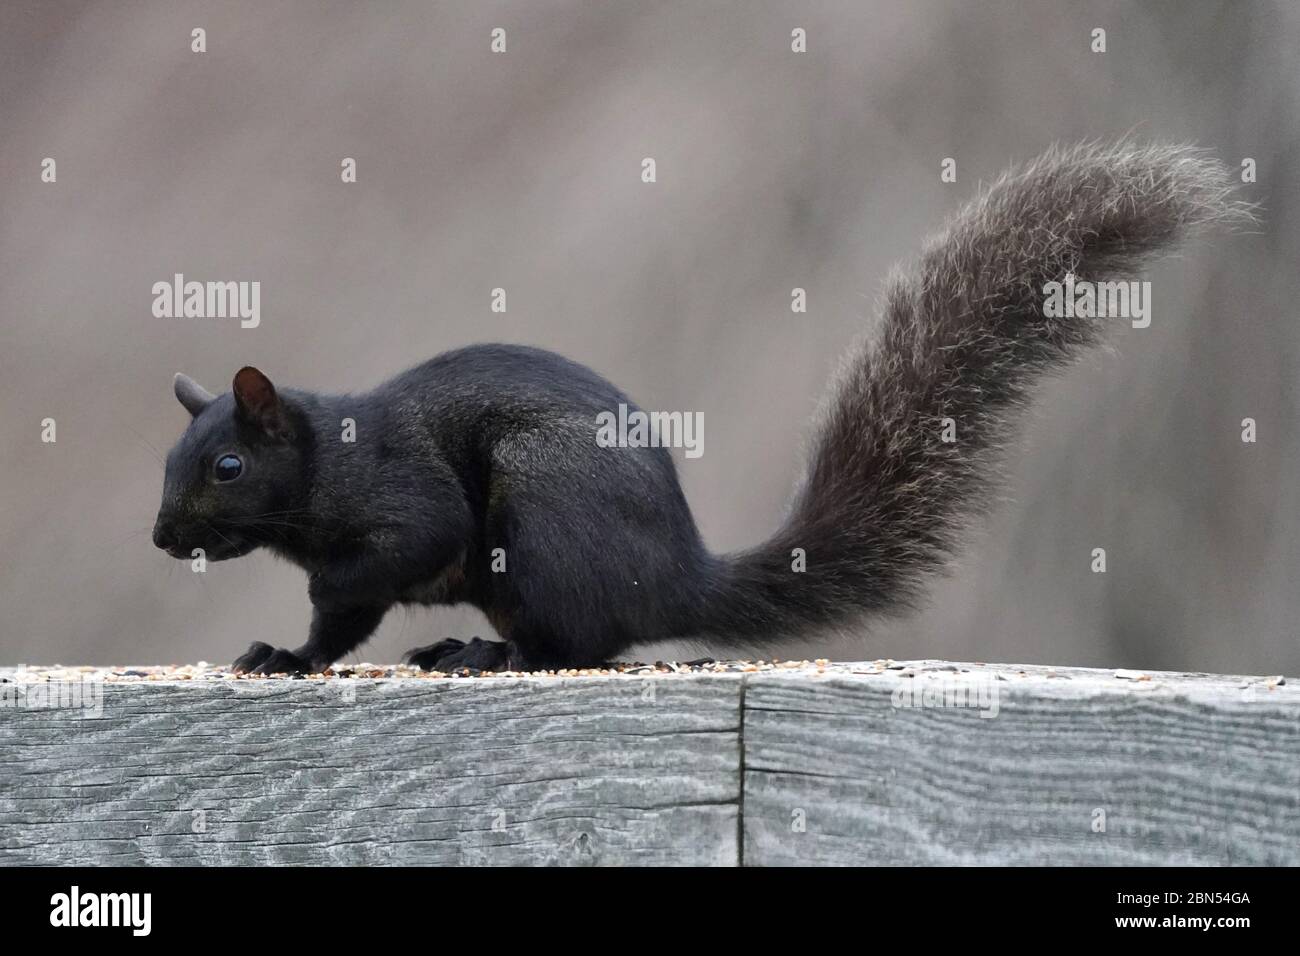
(1131, 675)
(820, 668)
(203, 671)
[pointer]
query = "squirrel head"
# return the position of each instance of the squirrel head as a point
(237, 477)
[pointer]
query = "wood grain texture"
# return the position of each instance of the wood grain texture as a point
(854, 764)
(503, 771)
(1188, 769)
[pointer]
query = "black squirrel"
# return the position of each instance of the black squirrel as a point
(493, 447)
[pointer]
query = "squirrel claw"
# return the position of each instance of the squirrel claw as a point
(427, 658)
(257, 652)
(453, 655)
(263, 660)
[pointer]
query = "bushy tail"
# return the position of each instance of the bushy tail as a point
(964, 337)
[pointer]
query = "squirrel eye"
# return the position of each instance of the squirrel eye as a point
(228, 468)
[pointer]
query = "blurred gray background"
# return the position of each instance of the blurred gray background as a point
(521, 171)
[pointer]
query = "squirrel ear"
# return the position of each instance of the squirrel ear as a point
(191, 394)
(256, 401)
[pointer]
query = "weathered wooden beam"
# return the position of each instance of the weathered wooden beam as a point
(408, 771)
(1071, 766)
(874, 763)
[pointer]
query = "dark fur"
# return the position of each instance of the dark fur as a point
(494, 446)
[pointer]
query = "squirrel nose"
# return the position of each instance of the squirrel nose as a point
(164, 534)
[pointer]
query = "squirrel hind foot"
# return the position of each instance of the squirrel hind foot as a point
(453, 655)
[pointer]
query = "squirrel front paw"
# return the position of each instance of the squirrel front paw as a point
(262, 659)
